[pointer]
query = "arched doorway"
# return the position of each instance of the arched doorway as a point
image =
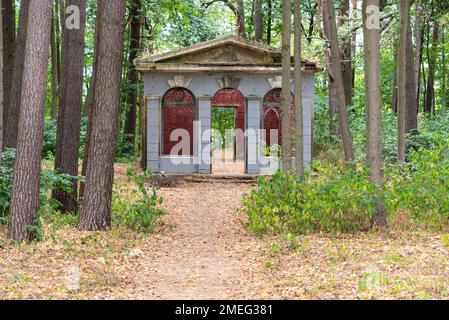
(228, 122)
(178, 115)
(272, 121)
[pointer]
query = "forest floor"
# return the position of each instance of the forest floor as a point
(201, 250)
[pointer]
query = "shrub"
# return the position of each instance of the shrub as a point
(331, 200)
(134, 207)
(49, 180)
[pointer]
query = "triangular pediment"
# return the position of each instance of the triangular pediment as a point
(226, 52)
(229, 50)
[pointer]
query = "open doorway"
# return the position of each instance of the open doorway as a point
(226, 158)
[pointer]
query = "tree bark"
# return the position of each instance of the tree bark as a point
(54, 68)
(258, 20)
(90, 102)
(133, 76)
(374, 106)
(96, 212)
(241, 25)
(332, 90)
(69, 117)
(9, 38)
(299, 125)
(286, 91)
(430, 91)
(411, 110)
(25, 187)
(419, 26)
(269, 20)
(402, 52)
(1, 81)
(338, 78)
(12, 123)
(346, 53)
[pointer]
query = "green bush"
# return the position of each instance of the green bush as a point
(330, 200)
(421, 188)
(49, 180)
(134, 207)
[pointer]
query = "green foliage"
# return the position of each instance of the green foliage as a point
(48, 180)
(331, 200)
(136, 208)
(420, 189)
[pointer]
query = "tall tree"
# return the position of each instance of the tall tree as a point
(299, 127)
(331, 87)
(269, 20)
(12, 123)
(1, 81)
(54, 65)
(373, 102)
(96, 212)
(286, 91)
(401, 77)
(9, 38)
(346, 52)
(338, 78)
(411, 110)
(69, 117)
(258, 20)
(90, 99)
(429, 104)
(241, 24)
(25, 187)
(135, 9)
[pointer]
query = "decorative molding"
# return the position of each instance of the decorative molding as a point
(179, 81)
(228, 82)
(276, 82)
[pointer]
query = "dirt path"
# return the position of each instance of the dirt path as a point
(208, 254)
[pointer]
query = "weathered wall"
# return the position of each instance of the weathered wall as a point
(253, 86)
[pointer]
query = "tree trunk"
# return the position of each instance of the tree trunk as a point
(96, 212)
(241, 25)
(9, 38)
(25, 187)
(133, 76)
(90, 102)
(402, 52)
(269, 20)
(419, 26)
(12, 123)
(430, 91)
(338, 78)
(286, 91)
(299, 125)
(346, 53)
(69, 117)
(258, 20)
(54, 68)
(332, 90)
(394, 94)
(1, 81)
(373, 101)
(411, 110)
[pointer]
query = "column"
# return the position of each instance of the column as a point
(153, 132)
(253, 122)
(204, 134)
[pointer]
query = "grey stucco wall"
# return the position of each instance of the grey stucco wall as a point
(253, 86)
